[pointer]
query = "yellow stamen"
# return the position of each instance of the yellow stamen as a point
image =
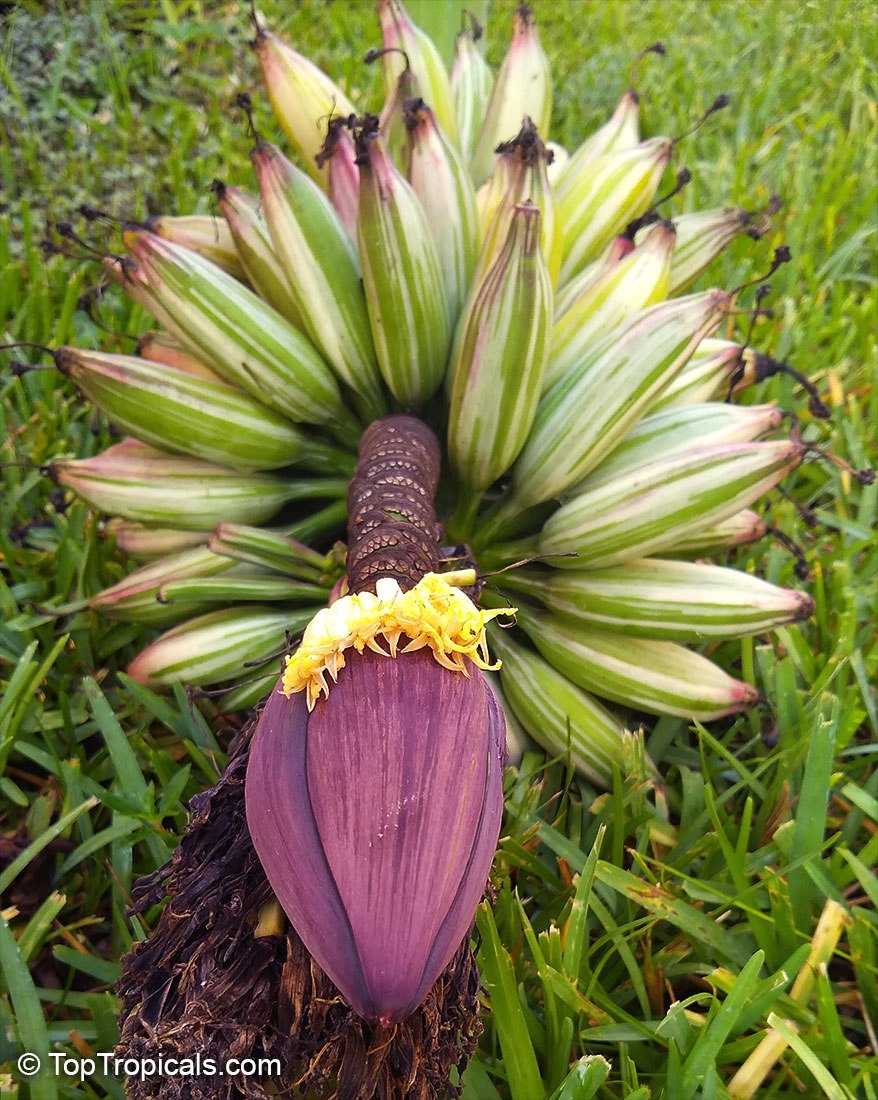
(431, 615)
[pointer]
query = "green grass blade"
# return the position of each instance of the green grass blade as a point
(498, 974)
(32, 1031)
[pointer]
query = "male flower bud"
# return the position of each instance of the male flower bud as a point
(375, 810)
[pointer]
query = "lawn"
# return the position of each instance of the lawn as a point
(660, 939)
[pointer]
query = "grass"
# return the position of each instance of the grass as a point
(668, 939)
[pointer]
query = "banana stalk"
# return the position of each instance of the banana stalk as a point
(670, 600)
(499, 357)
(247, 342)
(523, 89)
(606, 196)
(253, 242)
(218, 647)
(323, 273)
(167, 491)
(439, 178)
(620, 379)
(636, 281)
(239, 586)
(400, 34)
(558, 715)
(658, 503)
(402, 277)
(269, 549)
(656, 676)
(177, 411)
(302, 97)
(205, 234)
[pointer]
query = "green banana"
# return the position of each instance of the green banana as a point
(343, 185)
(240, 586)
(656, 676)
(272, 550)
(619, 380)
(611, 192)
(148, 543)
(161, 490)
(740, 529)
(655, 505)
(177, 411)
(322, 272)
(244, 340)
(523, 89)
(499, 356)
(302, 97)
(205, 234)
(253, 242)
(717, 369)
(670, 432)
(402, 278)
(565, 296)
(162, 347)
(522, 176)
(135, 598)
(701, 237)
(671, 600)
(471, 84)
(217, 648)
(621, 131)
(440, 180)
(636, 281)
(403, 41)
(557, 714)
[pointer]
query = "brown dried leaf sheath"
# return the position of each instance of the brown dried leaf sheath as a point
(203, 984)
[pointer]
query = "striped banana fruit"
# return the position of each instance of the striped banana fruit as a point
(680, 601)
(499, 356)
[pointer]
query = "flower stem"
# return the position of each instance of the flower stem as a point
(497, 521)
(463, 519)
(497, 557)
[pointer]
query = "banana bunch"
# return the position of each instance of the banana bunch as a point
(442, 257)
